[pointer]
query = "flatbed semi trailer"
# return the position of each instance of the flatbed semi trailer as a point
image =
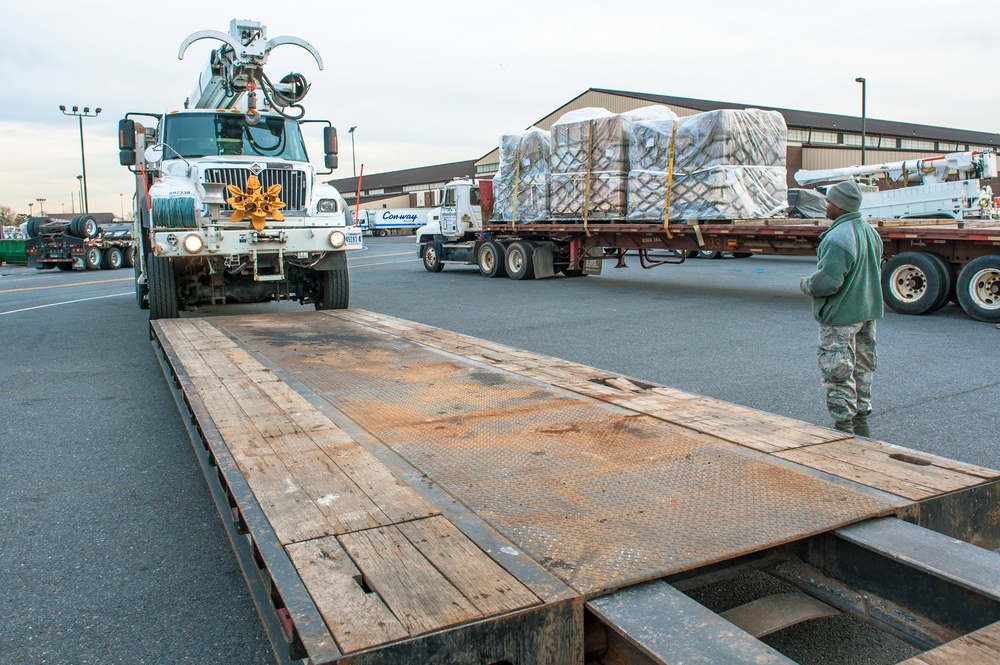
(927, 262)
(398, 493)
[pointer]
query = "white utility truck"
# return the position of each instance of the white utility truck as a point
(228, 207)
(935, 196)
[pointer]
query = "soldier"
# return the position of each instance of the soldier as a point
(847, 300)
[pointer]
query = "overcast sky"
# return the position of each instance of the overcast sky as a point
(428, 82)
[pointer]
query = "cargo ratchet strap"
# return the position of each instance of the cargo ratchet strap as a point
(670, 183)
(517, 182)
(586, 187)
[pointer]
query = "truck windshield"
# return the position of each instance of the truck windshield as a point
(203, 135)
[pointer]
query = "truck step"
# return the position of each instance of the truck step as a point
(669, 627)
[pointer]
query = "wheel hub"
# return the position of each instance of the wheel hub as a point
(984, 288)
(908, 283)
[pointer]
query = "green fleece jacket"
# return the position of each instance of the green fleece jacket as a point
(846, 287)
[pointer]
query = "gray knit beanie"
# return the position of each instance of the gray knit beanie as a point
(845, 195)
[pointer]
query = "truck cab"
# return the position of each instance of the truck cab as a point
(460, 214)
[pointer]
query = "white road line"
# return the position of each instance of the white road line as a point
(365, 265)
(67, 302)
(382, 256)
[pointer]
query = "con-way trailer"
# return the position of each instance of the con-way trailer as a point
(398, 493)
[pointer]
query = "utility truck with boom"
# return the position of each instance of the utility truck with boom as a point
(228, 207)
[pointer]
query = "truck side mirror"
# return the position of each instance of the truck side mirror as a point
(331, 161)
(126, 142)
(330, 144)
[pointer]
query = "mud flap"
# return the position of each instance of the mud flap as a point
(542, 260)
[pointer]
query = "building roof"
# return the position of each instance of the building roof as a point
(825, 121)
(416, 176)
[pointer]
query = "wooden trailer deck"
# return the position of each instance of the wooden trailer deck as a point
(401, 493)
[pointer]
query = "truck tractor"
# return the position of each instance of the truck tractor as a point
(228, 208)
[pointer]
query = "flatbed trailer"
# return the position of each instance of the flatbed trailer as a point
(398, 493)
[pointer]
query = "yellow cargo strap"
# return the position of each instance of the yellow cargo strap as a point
(586, 188)
(906, 176)
(517, 182)
(670, 183)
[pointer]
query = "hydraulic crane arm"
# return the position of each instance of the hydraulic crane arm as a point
(236, 69)
(930, 169)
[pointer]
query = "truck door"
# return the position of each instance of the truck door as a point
(449, 213)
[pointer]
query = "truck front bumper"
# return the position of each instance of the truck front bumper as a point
(215, 241)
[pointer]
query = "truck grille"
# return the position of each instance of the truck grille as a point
(293, 184)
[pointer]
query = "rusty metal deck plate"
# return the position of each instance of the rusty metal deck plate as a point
(599, 495)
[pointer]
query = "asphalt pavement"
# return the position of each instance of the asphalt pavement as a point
(111, 548)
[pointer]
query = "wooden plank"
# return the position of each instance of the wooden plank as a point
(870, 463)
(419, 596)
(356, 619)
(913, 223)
(488, 586)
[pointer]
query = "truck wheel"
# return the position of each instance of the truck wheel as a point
(912, 283)
(491, 259)
(92, 259)
(979, 288)
(34, 226)
(113, 259)
(162, 288)
(141, 291)
(709, 255)
(334, 289)
(950, 281)
(129, 256)
(572, 273)
(431, 259)
(83, 226)
(519, 260)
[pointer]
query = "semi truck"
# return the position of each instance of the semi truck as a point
(927, 262)
(228, 206)
(414, 495)
(80, 243)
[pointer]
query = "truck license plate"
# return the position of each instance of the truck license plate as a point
(353, 238)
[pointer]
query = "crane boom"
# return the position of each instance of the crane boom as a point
(236, 69)
(930, 169)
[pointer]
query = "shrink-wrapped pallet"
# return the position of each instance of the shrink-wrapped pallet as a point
(718, 192)
(525, 170)
(727, 164)
(590, 157)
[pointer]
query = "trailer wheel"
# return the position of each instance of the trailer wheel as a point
(519, 260)
(334, 289)
(491, 259)
(432, 262)
(979, 288)
(92, 259)
(912, 283)
(34, 226)
(709, 255)
(113, 259)
(572, 273)
(162, 288)
(950, 281)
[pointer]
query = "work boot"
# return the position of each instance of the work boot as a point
(844, 426)
(861, 427)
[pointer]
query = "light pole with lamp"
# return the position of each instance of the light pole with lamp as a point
(31, 210)
(354, 164)
(41, 207)
(864, 115)
(84, 205)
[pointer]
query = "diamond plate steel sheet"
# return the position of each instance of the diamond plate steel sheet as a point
(601, 496)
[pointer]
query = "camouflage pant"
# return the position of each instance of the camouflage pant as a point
(847, 360)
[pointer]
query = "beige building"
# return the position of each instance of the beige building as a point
(815, 141)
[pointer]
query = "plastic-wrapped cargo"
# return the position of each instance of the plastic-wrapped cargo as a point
(591, 144)
(728, 164)
(525, 169)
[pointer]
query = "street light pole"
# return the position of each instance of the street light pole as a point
(41, 207)
(79, 181)
(353, 162)
(31, 210)
(864, 116)
(84, 203)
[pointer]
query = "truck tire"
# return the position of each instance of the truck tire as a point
(432, 262)
(34, 226)
(709, 255)
(978, 288)
(912, 283)
(141, 290)
(84, 226)
(334, 289)
(162, 288)
(129, 256)
(113, 259)
(950, 281)
(92, 259)
(491, 259)
(519, 260)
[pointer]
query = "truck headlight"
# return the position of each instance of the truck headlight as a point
(193, 243)
(326, 205)
(337, 238)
